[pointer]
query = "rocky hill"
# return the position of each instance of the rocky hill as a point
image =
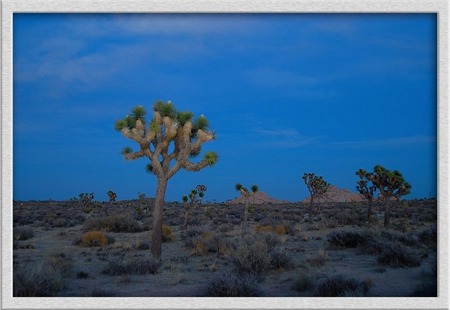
(335, 194)
(258, 198)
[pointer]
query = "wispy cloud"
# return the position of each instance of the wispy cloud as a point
(281, 138)
(385, 143)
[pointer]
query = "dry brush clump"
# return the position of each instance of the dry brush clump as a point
(342, 286)
(393, 248)
(113, 223)
(94, 239)
(132, 264)
(23, 233)
(252, 257)
(303, 282)
(43, 279)
(232, 285)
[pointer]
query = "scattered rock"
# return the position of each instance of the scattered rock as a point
(335, 194)
(257, 198)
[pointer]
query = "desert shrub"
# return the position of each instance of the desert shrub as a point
(60, 223)
(99, 292)
(142, 246)
(428, 283)
(318, 259)
(94, 238)
(396, 255)
(232, 285)
(252, 256)
(113, 223)
(59, 261)
(82, 275)
(199, 246)
(340, 286)
(167, 233)
(391, 235)
(428, 236)
(271, 239)
(216, 243)
(41, 280)
(146, 264)
(303, 282)
(348, 238)
(280, 259)
(279, 229)
(23, 233)
(263, 228)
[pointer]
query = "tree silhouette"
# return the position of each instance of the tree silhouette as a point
(365, 189)
(390, 184)
(316, 187)
(169, 141)
(246, 194)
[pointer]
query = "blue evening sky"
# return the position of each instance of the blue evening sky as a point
(287, 94)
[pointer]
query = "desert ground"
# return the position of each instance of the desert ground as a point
(67, 249)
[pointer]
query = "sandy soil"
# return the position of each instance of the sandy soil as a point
(187, 269)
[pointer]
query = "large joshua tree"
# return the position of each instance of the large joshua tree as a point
(246, 194)
(365, 189)
(390, 184)
(317, 186)
(169, 141)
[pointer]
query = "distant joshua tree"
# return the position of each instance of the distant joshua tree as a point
(112, 196)
(317, 186)
(195, 198)
(246, 194)
(169, 141)
(390, 184)
(86, 199)
(365, 189)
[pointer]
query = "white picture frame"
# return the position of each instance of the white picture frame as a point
(9, 7)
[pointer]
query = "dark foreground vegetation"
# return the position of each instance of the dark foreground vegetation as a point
(103, 249)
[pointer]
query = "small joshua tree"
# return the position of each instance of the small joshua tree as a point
(169, 141)
(366, 190)
(390, 184)
(195, 198)
(317, 186)
(86, 199)
(246, 194)
(112, 196)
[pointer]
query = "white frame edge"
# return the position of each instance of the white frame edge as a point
(9, 7)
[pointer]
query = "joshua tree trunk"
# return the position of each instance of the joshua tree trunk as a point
(310, 208)
(369, 210)
(244, 222)
(387, 213)
(169, 140)
(186, 219)
(158, 217)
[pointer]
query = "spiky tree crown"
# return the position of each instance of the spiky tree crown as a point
(316, 185)
(196, 194)
(390, 183)
(363, 184)
(244, 191)
(167, 127)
